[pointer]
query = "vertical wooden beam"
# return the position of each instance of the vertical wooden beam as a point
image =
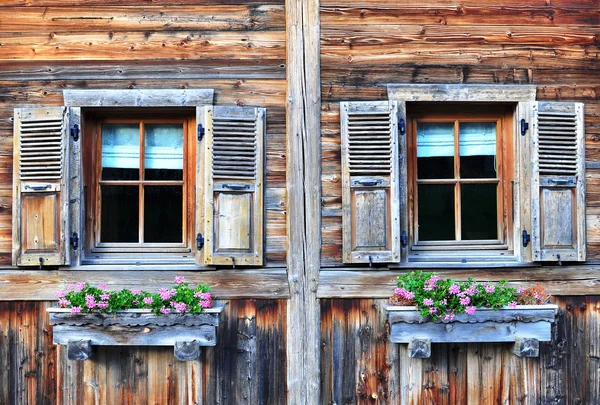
(303, 130)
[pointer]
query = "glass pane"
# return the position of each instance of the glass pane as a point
(478, 210)
(435, 150)
(163, 152)
(436, 212)
(163, 214)
(477, 149)
(119, 214)
(120, 151)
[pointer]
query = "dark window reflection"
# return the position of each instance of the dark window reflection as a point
(436, 212)
(479, 213)
(163, 221)
(119, 214)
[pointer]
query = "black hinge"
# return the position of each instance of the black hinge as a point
(526, 238)
(74, 240)
(404, 238)
(75, 132)
(524, 126)
(199, 241)
(200, 132)
(402, 126)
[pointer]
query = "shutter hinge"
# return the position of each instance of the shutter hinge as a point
(526, 238)
(200, 132)
(74, 240)
(404, 239)
(524, 126)
(402, 126)
(199, 241)
(75, 132)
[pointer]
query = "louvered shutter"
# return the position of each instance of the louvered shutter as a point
(233, 179)
(40, 194)
(558, 182)
(370, 182)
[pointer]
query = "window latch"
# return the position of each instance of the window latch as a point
(526, 238)
(404, 239)
(75, 132)
(524, 126)
(200, 132)
(74, 240)
(199, 241)
(402, 126)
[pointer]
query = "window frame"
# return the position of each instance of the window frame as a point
(425, 112)
(92, 150)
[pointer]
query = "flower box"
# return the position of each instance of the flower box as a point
(524, 325)
(134, 327)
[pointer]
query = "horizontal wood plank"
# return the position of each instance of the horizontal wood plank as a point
(138, 98)
(452, 93)
(226, 284)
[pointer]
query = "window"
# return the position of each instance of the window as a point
(462, 174)
(138, 177)
(140, 183)
(460, 171)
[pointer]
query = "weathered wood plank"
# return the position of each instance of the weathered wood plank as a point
(138, 98)
(214, 17)
(523, 313)
(471, 93)
(226, 284)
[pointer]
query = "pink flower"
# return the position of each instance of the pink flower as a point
(164, 294)
(102, 305)
(435, 278)
(165, 311)
(179, 279)
(90, 301)
(136, 292)
(102, 286)
(465, 301)
(471, 290)
(70, 287)
(105, 296)
(428, 302)
(444, 301)
(397, 291)
(454, 289)
(75, 310)
(520, 290)
(537, 296)
(512, 305)
(60, 294)
(208, 296)
(205, 304)
(180, 307)
(432, 310)
(489, 288)
(409, 295)
(148, 300)
(470, 310)
(80, 286)
(448, 317)
(63, 303)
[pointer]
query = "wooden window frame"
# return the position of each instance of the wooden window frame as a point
(91, 145)
(505, 163)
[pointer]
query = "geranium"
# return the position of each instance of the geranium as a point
(443, 299)
(82, 297)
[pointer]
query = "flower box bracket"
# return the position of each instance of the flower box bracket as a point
(187, 333)
(525, 326)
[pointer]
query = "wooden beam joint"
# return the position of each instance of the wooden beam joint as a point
(187, 351)
(419, 348)
(526, 347)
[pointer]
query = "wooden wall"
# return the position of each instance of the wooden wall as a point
(366, 44)
(360, 366)
(246, 367)
(234, 47)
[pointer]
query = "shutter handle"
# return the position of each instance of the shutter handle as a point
(38, 188)
(368, 182)
(236, 186)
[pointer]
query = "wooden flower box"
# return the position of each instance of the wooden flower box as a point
(134, 327)
(525, 326)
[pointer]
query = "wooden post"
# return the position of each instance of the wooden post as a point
(79, 349)
(303, 134)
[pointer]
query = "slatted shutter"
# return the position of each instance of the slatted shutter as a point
(558, 182)
(233, 191)
(370, 182)
(40, 194)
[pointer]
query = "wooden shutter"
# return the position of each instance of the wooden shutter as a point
(558, 182)
(40, 188)
(233, 185)
(370, 182)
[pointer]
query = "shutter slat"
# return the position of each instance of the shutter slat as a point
(40, 141)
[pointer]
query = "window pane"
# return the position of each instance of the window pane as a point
(163, 215)
(163, 152)
(435, 150)
(477, 149)
(120, 151)
(436, 212)
(479, 213)
(119, 214)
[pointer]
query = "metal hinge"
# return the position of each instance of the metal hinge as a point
(199, 241)
(402, 126)
(74, 240)
(75, 132)
(526, 238)
(524, 126)
(200, 132)
(404, 239)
